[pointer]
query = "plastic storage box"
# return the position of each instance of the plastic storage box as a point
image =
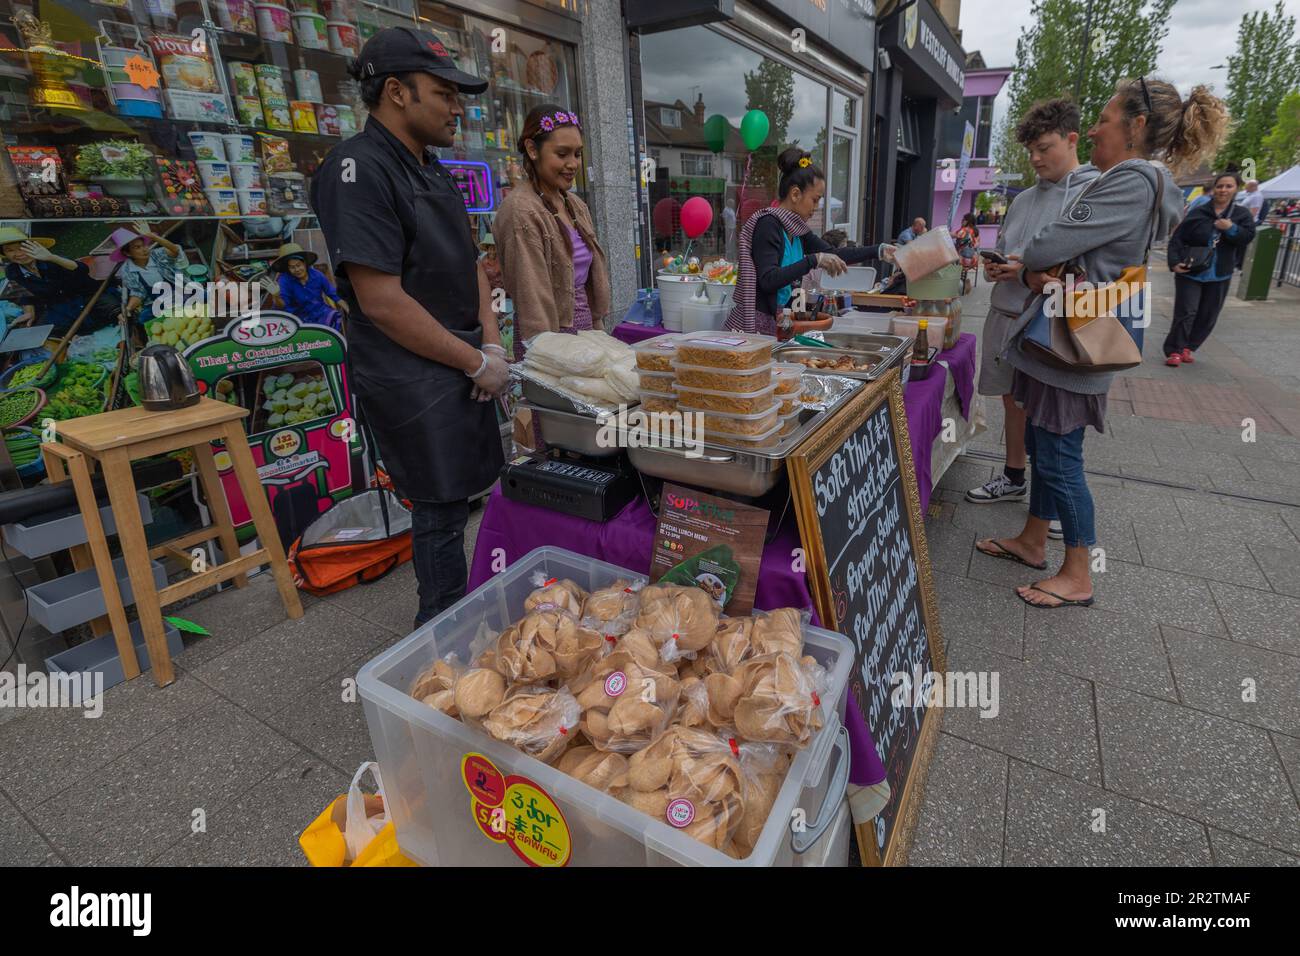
(729, 350)
(77, 598)
(53, 531)
(656, 354)
(421, 751)
(100, 654)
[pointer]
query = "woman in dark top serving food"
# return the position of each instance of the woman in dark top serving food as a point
(777, 247)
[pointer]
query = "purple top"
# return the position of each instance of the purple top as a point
(581, 269)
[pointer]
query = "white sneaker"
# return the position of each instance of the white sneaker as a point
(1000, 488)
(1055, 531)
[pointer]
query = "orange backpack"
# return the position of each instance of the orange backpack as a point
(357, 541)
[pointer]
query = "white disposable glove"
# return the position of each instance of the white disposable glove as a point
(887, 252)
(831, 264)
(493, 376)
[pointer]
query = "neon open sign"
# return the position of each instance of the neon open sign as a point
(475, 182)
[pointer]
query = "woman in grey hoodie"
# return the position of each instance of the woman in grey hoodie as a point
(1108, 228)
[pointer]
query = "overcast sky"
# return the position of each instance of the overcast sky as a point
(1202, 34)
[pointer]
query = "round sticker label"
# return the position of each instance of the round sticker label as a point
(681, 812)
(483, 779)
(615, 684)
(285, 443)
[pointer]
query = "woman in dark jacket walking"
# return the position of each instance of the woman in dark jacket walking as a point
(777, 248)
(1201, 286)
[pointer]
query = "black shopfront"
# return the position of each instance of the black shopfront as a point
(920, 72)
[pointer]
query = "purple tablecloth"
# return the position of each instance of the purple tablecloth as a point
(923, 401)
(631, 333)
(627, 540)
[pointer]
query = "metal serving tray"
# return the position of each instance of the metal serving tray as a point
(749, 472)
(571, 431)
(795, 353)
(878, 342)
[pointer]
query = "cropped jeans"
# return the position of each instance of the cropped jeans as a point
(1058, 490)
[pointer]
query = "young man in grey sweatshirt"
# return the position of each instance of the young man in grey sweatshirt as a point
(1049, 131)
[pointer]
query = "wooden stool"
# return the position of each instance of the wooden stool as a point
(112, 441)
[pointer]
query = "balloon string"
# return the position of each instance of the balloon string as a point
(744, 182)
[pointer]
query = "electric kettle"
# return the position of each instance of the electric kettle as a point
(166, 381)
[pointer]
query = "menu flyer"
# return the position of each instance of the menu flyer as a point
(713, 543)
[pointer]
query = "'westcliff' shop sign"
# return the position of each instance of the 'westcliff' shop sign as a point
(947, 62)
(924, 47)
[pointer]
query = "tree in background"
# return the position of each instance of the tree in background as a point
(1124, 41)
(770, 88)
(1264, 69)
(1281, 147)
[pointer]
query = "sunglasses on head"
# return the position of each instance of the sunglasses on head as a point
(1146, 94)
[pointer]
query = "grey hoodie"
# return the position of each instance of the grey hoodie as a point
(1103, 232)
(1029, 212)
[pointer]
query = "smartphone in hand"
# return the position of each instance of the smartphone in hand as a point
(992, 256)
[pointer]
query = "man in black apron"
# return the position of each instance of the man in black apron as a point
(424, 355)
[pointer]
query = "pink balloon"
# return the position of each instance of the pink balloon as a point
(697, 216)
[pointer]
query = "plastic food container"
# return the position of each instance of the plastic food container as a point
(309, 28)
(740, 403)
(252, 202)
(208, 147)
(225, 202)
(246, 175)
(790, 403)
(215, 175)
(656, 354)
(674, 292)
(658, 401)
(724, 379)
(343, 37)
(422, 752)
(237, 15)
(273, 22)
(751, 424)
(789, 376)
(789, 421)
(240, 149)
(937, 328)
(655, 381)
(307, 83)
(745, 442)
(730, 350)
(925, 255)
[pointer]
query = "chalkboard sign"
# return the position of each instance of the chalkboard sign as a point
(859, 510)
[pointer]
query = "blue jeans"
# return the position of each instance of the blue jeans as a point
(1058, 490)
(438, 553)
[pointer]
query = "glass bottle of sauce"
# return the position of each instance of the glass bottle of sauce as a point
(921, 347)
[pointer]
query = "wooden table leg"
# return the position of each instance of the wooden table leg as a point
(96, 547)
(116, 465)
(218, 507)
(267, 533)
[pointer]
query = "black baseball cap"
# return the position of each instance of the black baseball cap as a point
(405, 49)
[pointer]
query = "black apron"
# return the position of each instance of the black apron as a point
(436, 441)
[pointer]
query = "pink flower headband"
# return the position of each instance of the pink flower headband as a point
(559, 118)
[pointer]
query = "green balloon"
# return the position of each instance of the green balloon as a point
(753, 129)
(716, 129)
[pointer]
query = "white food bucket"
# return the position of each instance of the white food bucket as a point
(720, 293)
(674, 292)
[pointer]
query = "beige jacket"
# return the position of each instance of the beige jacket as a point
(537, 262)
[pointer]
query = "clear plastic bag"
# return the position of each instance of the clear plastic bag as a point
(681, 620)
(552, 593)
(779, 699)
(435, 685)
(625, 705)
(612, 610)
(537, 720)
(762, 772)
(545, 645)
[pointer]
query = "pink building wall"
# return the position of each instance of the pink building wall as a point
(980, 175)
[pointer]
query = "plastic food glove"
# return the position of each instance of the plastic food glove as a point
(887, 251)
(493, 376)
(493, 349)
(830, 263)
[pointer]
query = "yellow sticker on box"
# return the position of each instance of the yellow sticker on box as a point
(517, 812)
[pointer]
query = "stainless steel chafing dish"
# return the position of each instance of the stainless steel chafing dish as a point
(574, 431)
(879, 352)
(750, 472)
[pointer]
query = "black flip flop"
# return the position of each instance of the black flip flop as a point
(1006, 555)
(1065, 602)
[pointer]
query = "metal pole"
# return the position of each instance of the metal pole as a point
(1083, 63)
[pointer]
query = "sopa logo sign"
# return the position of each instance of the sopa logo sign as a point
(269, 330)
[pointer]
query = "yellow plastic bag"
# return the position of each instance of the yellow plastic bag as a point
(354, 825)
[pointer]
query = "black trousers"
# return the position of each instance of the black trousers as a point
(1196, 308)
(438, 553)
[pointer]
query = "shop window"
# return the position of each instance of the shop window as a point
(697, 164)
(676, 66)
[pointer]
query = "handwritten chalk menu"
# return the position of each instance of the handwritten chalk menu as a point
(859, 518)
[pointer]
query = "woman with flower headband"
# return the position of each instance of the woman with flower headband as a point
(777, 248)
(554, 270)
